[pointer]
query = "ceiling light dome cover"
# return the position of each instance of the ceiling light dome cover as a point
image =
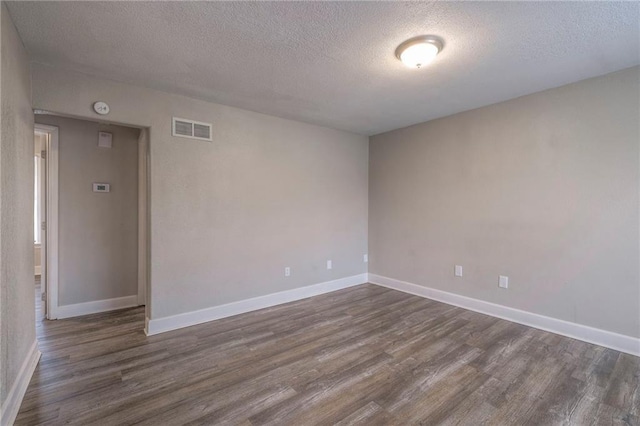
(419, 51)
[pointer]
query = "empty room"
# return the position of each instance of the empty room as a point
(320, 213)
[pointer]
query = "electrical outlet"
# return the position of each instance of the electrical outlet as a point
(329, 264)
(365, 258)
(503, 282)
(287, 271)
(458, 270)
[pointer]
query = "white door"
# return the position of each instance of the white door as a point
(49, 218)
(43, 226)
(42, 139)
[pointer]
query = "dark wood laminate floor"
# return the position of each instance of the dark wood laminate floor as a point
(365, 355)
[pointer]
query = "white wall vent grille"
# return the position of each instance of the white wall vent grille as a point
(191, 129)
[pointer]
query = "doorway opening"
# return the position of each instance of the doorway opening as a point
(90, 217)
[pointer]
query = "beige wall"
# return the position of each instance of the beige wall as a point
(98, 240)
(17, 308)
(227, 216)
(543, 189)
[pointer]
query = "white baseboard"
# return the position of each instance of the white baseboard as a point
(68, 311)
(160, 325)
(11, 405)
(608, 339)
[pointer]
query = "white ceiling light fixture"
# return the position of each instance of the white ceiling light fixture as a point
(419, 51)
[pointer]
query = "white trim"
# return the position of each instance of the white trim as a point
(143, 216)
(51, 239)
(86, 308)
(608, 339)
(160, 325)
(13, 401)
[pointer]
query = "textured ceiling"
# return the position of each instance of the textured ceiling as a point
(333, 63)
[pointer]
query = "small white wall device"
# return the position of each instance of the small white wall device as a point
(101, 108)
(105, 139)
(101, 187)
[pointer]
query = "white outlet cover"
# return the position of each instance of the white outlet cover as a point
(458, 270)
(329, 264)
(287, 271)
(365, 258)
(503, 282)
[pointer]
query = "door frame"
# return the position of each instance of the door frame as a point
(52, 232)
(51, 220)
(143, 218)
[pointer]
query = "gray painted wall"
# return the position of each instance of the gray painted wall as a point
(543, 189)
(98, 241)
(17, 304)
(227, 216)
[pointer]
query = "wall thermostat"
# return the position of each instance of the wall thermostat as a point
(101, 108)
(101, 187)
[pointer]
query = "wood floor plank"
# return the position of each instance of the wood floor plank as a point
(365, 355)
(370, 414)
(623, 389)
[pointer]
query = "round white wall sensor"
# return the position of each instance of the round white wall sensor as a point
(101, 108)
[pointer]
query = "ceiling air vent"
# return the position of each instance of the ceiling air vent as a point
(191, 129)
